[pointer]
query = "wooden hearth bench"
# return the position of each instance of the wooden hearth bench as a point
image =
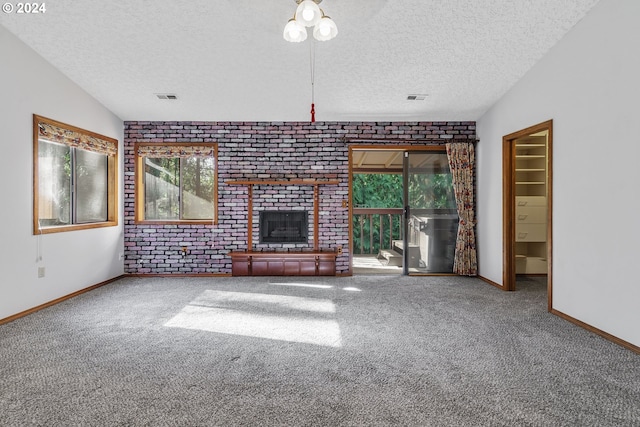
(284, 263)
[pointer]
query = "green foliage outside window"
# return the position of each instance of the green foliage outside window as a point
(426, 191)
(178, 188)
(376, 191)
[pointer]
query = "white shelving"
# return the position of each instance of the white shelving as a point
(531, 204)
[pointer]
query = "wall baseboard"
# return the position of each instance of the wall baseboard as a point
(491, 282)
(597, 331)
(177, 275)
(577, 322)
(57, 300)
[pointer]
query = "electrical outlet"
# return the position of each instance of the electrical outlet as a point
(40, 272)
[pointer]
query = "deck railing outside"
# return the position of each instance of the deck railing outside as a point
(375, 229)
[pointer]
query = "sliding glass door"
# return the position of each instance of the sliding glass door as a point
(430, 215)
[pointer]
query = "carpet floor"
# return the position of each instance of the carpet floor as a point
(355, 351)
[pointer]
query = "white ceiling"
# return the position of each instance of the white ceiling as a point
(228, 64)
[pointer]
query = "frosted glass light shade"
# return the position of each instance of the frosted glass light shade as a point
(326, 29)
(294, 32)
(308, 13)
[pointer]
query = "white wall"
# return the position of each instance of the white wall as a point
(73, 260)
(589, 85)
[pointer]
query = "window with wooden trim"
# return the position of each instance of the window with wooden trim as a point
(74, 178)
(176, 183)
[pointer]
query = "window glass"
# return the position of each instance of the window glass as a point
(162, 189)
(197, 187)
(176, 183)
(433, 221)
(92, 187)
(54, 183)
(75, 184)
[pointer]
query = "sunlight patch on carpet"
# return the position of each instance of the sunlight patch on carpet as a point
(301, 285)
(276, 317)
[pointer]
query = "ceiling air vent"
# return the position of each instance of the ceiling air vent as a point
(167, 96)
(416, 97)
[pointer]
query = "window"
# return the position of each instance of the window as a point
(74, 178)
(176, 183)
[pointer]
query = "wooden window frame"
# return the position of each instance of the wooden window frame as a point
(112, 180)
(140, 188)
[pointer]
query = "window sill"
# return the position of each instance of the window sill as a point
(72, 227)
(177, 222)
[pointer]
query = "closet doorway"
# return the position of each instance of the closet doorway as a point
(527, 210)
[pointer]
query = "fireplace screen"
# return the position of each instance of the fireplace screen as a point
(283, 227)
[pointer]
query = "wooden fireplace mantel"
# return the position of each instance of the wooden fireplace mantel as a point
(314, 262)
(316, 183)
(289, 263)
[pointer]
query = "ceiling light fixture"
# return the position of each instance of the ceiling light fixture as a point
(309, 14)
(294, 31)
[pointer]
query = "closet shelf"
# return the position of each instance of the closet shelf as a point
(529, 145)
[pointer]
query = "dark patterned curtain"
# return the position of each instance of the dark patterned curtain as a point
(462, 163)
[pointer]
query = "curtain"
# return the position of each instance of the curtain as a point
(72, 138)
(462, 161)
(178, 150)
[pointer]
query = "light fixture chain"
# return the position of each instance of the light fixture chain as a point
(312, 63)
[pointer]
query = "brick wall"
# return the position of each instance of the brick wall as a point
(261, 150)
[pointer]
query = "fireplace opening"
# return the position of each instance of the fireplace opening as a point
(283, 227)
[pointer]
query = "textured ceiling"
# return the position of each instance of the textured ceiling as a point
(226, 64)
